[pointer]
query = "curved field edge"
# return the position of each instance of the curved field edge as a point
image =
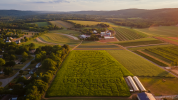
(138, 65)
(118, 88)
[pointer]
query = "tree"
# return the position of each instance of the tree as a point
(47, 63)
(41, 85)
(33, 94)
(21, 72)
(18, 89)
(24, 55)
(12, 57)
(12, 63)
(2, 62)
(7, 71)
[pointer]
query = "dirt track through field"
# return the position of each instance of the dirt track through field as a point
(153, 57)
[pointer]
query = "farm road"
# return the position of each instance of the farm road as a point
(7, 80)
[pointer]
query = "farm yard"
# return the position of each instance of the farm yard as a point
(42, 24)
(124, 34)
(90, 73)
(170, 31)
(60, 23)
(137, 65)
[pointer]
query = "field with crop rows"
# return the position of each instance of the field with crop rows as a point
(138, 65)
(60, 23)
(58, 38)
(161, 31)
(91, 23)
(124, 34)
(170, 53)
(41, 24)
(99, 47)
(90, 73)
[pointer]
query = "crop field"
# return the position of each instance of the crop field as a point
(69, 32)
(41, 24)
(168, 40)
(58, 38)
(124, 34)
(60, 23)
(138, 65)
(161, 31)
(137, 43)
(90, 73)
(170, 53)
(91, 23)
(99, 47)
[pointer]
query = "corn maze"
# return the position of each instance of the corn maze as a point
(124, 34)
(90, 73)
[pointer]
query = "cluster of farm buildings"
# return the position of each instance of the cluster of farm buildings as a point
(10, 38)
(105, 35)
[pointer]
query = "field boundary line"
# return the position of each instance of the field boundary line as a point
(146, 45)
(77, 45)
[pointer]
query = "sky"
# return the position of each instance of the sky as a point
(85, 5)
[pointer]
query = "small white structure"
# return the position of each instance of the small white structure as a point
(10, 38)
(8, 41)
(18, 42)
(38, 65)
(135, 88)
(84, 36)
(103, 33)
(108, 37)
(140, 85)
(95, 32)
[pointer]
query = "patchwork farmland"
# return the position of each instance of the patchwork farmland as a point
(90, 73)
(137, 65)
(124, 34)
(60, 23)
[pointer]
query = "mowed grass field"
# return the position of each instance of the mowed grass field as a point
(137, 65)
(158, 87)
(90, 73)
(58, 38)
(42, 24)
(63, 24)
(92, 23)
(161, 31)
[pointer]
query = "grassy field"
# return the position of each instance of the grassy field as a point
(158, 87)
(143, 41)
(91, 23)
(37, 44)
(161, 31)
(90, 73)
(137, 65)
(63, 24)
(170, 53)
(69, 32)
(124, 34)
(41, 24)
(99, 47)
(58, 38)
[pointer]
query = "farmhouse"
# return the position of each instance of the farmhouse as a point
(18, 42)
(8, 41)
(145, 96)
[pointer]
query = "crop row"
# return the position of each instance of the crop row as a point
(128, 34)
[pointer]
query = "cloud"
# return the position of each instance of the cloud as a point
(54, 1)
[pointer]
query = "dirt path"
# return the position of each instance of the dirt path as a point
(77, 45)
(70, 36)
(153, 57)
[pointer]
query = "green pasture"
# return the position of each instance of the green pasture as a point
(137, 65)
(90, 73)
(161, 31)
(69, 32)
(42, 24)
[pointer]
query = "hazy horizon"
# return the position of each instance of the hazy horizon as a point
(85, 5)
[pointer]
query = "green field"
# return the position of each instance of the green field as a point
(137, 65)
(42, 24)
(144, 41)
(90, 73)
(69, 32)
(60, 23)
(37, 44)
(99, 47)
(161, 31)
(58, 38)
(92, 23)
(124, 34)
(170, 53)
(158, 87)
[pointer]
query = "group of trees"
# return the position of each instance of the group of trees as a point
(90, 31)
(103, 25)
